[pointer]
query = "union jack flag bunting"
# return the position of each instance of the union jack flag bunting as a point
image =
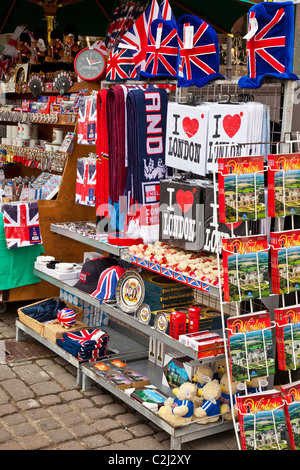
(270, 43)
(136, 39)
(120, 65)
(162, 50)
(21, 224)
(166, 11)
(198, 51)
(85, 182)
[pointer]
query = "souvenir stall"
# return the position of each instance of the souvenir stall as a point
(172, 242)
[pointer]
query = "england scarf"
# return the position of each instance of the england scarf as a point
(146, 130)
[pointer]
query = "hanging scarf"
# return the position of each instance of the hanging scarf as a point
(102, 165)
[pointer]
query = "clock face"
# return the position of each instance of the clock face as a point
(90, 64)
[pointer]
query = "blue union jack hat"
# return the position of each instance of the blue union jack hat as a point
(270, 43)
(106, 288)
(162, 50)
(199, 59)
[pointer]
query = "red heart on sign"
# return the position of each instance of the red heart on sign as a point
(231, 124)
(190, 126)
(184, 199)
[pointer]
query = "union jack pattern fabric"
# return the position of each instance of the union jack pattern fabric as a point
(162, 50)
(85, 345)
(120, 65)
(270, 43)
(66, 317)
(136, 39)
(21, 224)
(166, 11)
(107, 283)
(87, 121)
(199, 61)
(86, 182)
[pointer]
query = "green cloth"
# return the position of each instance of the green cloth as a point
(16, 264)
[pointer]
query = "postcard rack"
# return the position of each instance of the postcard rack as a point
(255, 440)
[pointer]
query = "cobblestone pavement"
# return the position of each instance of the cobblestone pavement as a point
(42, 407)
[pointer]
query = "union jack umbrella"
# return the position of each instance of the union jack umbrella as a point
(85, 182)
(162, 50)
(136, 38)
(21, 224)
(198, 50)
(120, 65)
(270, 43)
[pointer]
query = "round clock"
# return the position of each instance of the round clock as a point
(90, 64)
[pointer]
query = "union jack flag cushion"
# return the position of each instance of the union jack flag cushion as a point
(199, 52)
(120, 65)
(270, 43)
(21, 224)
(162, 50)
(86, 182)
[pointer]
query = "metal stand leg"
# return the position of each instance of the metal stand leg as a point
(175, 443)
(86, 383)
(79, 376)
(19, 334)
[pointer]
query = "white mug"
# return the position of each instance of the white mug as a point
(14, 133)
(57, 136)
(26, 131)
(33, 143)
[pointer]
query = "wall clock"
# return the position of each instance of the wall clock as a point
(90, 64)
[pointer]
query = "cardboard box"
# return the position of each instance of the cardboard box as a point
(53, 331)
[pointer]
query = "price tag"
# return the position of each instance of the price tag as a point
(158, 37)
(188, 37)
(253, 27)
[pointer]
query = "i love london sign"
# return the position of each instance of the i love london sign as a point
(197, 133)
(186, 137)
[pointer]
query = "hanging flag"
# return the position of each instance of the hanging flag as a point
(166, 11)
(21, 224)
(136, 39)
(120, 65)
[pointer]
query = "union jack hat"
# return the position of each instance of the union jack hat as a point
(120, 65)
(107, 283)
(270, 43)
(162, 50)
(66, 317)
(199, 59)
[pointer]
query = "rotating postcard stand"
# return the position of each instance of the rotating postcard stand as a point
(215, 208)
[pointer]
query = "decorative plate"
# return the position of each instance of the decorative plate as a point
(161, 322)
(36, 85)
(62, 82)
(130, 291)
(144, 314)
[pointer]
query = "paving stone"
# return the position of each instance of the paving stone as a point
(54, 369)
(11, 445)
(83, 429)
(114, 446)
(7, 409)
(69, 419)
(106, 424)
(39, 442)
(14, 419)
(24, 430)
(48, 424)
(71, 445)
(61, 409)
(60, 435)
(93, 414)
(31, 373)
(71, 395)
(82, 404)
(4, 435)
(39, 413)
(119, 435)
(103, 399)
(127, 419)
(95, 441)
(66, 380)
(145, 443)
(6, 372)
(114, 409)
(17, 389)
(49, 400)
(28, 404)
(141, 430)
(4, 398)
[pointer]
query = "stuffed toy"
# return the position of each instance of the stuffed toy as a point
(38, 47)
(270, 43)
(209, 410)
(256, 384)
(220, 369)
(204, 374)
(55, 51)
(70, 40)
(180, 410)
(198, 52)
(225, 397)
